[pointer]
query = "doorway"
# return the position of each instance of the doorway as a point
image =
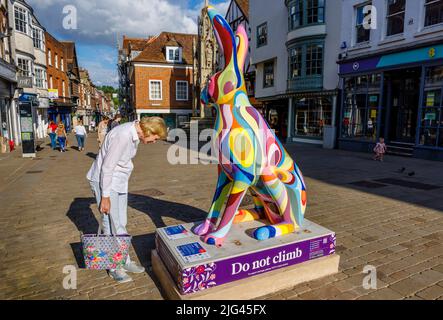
(403, 102)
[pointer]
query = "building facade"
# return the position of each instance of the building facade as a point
(161, 78)
(295, 44)
(8, 82)
(61, 107)
(73, 72)
(236, 15)
(28, 53)
(391, 74)
(129, 49)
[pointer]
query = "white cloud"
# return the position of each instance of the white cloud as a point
(104, 22)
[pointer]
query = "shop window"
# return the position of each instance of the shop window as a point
(434, 12)
(268, 74)
(305, 12)
(363, 32)
(395, 17)
(311, 115)
(262, 35)
(431, 114)
(361, 107)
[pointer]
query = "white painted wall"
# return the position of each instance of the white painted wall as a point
(414, 30)
(275, 14)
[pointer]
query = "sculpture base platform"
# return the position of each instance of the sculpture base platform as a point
(243, 268)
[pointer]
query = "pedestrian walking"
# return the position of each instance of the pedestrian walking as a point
(380, 149)
(116, 121)
(52, 127)
(80, 134)
(92, 126)
(61, 136)
(109, 176)
(102, 131)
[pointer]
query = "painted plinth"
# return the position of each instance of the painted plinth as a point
(196, 269)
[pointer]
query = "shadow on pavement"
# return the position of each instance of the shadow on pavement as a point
(157, 209)
(91, 155)
(80, 213)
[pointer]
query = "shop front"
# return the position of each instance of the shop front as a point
(397, 96)
(312, 114)
(174, 118)
(276, 113)
(61, 112)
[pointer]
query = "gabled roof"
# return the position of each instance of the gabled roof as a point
(244, 7)
(71, 57)
(135, 44)
(155, 49)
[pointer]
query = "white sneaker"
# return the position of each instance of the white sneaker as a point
(133, 267)
(120, 276)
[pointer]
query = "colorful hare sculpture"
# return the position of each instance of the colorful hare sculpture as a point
(250, 155)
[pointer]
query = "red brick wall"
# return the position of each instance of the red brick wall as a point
(58, 76)
(168, 76)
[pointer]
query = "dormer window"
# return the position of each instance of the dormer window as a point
(174, 54)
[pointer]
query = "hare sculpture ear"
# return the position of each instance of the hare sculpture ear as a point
(242, 47)
(223, 34)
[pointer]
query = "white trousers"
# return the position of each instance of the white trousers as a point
(118, 214)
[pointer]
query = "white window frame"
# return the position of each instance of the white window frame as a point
(168, 49)
(424, 9)
(29, 63)
(150, 90)
(388, 16)
(176, 90)
(40, 37)
(63, 88)
(56, 60)
(43, 77)
(26, 21)
(49, 57)
(51, 82)
(62, 64)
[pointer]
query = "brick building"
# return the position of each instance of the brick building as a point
(161, 76)
(73, 72)
(60, 105)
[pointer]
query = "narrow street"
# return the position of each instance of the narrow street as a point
(382, 217)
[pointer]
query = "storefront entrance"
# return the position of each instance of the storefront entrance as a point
(403, 95)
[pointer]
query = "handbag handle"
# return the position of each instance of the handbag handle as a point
(100, 227)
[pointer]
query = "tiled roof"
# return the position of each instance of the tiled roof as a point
(155, 50)
(135, 44)
(244, 6)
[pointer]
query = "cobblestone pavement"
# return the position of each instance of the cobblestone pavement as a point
(45, 203)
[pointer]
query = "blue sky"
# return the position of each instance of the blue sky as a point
(101, 24)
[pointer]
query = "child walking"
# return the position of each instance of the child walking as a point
(380, 149)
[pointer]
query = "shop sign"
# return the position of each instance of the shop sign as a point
(430, 116)
(430, 99)
(53, 93)
(24, 82)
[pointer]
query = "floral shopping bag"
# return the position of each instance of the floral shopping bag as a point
(104, 252)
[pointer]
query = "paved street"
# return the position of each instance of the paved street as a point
(382, 217)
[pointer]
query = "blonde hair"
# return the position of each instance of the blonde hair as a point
(154, 126)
